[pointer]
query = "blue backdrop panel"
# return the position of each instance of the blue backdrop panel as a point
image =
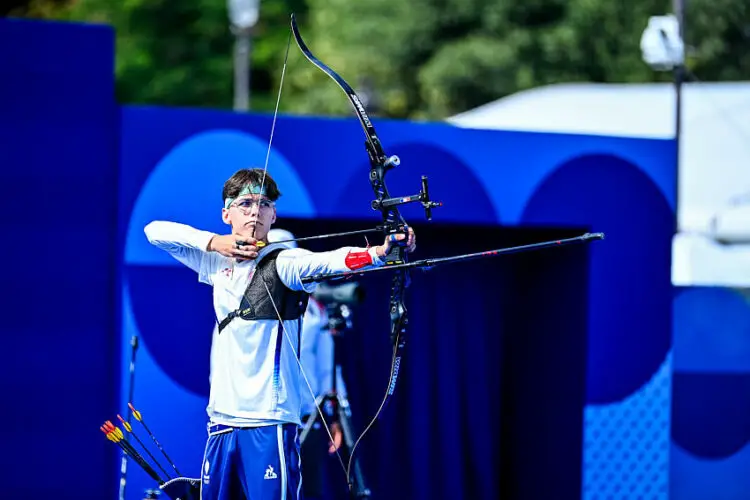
(627, 421)
(710, 421)
(174, 162)
(58, 126)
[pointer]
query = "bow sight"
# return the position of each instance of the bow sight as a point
(423, 197)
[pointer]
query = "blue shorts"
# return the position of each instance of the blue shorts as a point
(254, 463)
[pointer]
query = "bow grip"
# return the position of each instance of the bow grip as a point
(395, 255)
(398, 247)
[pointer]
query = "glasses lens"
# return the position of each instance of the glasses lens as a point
(248, 204)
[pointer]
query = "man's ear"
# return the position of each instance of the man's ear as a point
(225, 216)
(273, 219)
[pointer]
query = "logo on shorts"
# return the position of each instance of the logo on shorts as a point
(206, 477)
(270, 474)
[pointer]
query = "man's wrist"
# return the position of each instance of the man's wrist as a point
(378, 254)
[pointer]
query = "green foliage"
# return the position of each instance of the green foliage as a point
(719, 32)
(466, 73)
(180, 53)
(418, 59)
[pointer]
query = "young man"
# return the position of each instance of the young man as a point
(259, 300)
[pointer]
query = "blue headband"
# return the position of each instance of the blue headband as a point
(247, 189)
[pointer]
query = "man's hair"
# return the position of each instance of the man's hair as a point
(253, 177)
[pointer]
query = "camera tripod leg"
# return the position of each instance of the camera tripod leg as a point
(310, 421)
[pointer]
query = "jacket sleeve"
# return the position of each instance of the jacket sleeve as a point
(295, 264)
(186, 244)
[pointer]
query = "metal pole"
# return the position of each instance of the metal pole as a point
(679, 78)
(242, 46)
(131, 392)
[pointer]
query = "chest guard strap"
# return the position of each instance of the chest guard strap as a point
(256, 302)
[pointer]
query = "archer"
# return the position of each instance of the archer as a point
(259, 298)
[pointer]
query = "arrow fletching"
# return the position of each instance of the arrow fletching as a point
(125, 424)
(136, 413)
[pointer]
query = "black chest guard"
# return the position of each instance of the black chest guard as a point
(256, 302)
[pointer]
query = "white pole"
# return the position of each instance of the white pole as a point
(243, 15)
(242, 46)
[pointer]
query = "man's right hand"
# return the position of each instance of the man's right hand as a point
(234, 246)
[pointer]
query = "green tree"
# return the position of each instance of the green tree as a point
(416, 59)
(181, 52)
(718, 35)
(434, 58)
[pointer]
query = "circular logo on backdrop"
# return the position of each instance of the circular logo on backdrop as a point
(171, 310)
(630, 336)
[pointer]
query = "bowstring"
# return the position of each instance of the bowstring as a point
(377, 413)
(273, 124)
(304, 376)
(270, 296)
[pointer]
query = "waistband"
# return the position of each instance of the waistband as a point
(222, 428)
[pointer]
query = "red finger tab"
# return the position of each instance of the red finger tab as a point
(358, 260)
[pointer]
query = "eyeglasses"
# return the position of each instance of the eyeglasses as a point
(246, 206)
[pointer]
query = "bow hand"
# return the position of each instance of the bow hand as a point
(396, 243)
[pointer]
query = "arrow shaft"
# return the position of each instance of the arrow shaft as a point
(333, 235)
(166, 474)
(428, 263)
(133, 453)
(158, 445)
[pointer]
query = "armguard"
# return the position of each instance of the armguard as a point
(358, 260)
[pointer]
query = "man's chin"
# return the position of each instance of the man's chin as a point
(252, 231)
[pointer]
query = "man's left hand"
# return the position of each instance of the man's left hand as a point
(392, 239)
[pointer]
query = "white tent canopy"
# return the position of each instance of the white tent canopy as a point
(714, 153)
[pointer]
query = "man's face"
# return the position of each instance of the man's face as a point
(250, 215)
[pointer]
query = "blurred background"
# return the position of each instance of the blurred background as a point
(615, 370)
